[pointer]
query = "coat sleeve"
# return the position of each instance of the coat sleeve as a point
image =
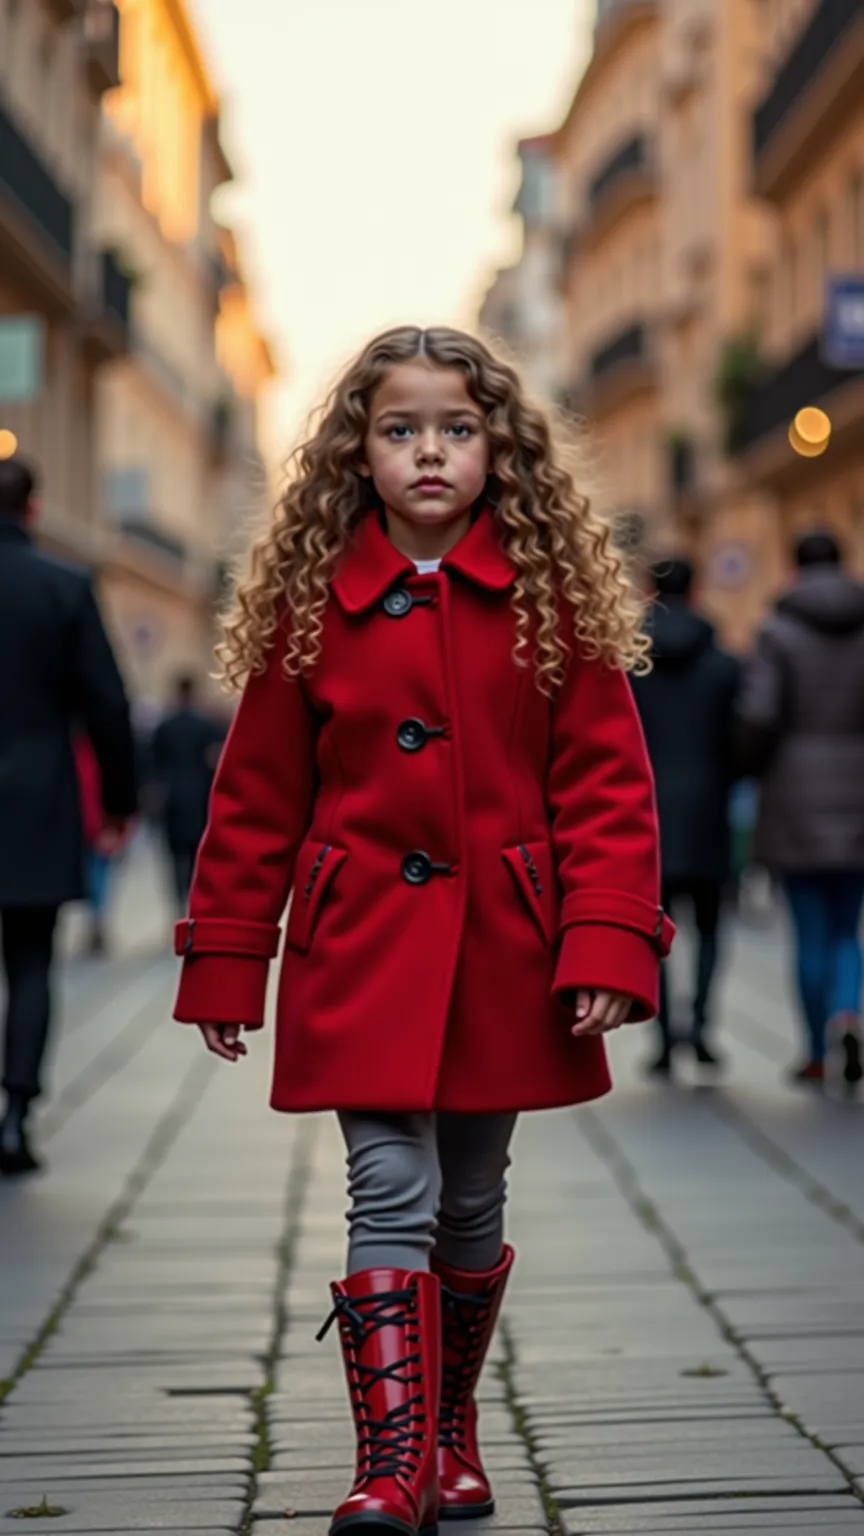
(101, 702)
(605, 840)
(760, 707)
(259, 811)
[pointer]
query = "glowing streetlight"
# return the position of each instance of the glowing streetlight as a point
(8, 443)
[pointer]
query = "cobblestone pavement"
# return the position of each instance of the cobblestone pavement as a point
(682, 1348)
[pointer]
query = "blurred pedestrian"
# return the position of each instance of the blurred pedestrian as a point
(56, 667)
(802, 730)
(687, 707)
(184, 752)
(461, 799)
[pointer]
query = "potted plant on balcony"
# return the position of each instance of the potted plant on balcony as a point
(739, 369)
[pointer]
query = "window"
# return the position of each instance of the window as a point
(789, 267)
(45, 89)
(821, 256)
(855, 214)
(13, 17)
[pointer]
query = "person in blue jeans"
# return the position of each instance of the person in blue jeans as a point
(801, 728)
(826, 910)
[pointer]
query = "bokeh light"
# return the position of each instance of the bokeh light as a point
(8, 443)
(810, 432)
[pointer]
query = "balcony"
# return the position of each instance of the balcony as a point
(760, 434)
(101, 44)
(37, 219)
(105, 328)
(142, 530)
(616, 21)
(614, 14)
(220, 430)
(621, 369)
(626, 180)
(220, 277)
(816, 89)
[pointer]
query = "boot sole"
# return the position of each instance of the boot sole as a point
(372, 1522)
(468, 1511)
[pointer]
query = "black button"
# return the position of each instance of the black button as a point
(412, 735)
(417, 868)
(398, 602)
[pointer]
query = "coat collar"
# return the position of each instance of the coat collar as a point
(12, 531)
(371, 564)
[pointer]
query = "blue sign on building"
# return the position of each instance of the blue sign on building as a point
(843, 336)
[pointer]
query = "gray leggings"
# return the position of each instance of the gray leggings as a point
(424, 1182)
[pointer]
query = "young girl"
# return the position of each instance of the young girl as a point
(436, 755)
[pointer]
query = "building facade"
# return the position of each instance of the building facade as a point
(666, 269)
(522, 310)
(807, 164)
(708, 184)
(64, 298)
(177, 414)
(131, 360)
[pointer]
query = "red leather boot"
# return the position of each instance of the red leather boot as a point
(470, 1304)
(390, 1330)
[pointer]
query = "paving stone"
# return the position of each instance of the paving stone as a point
(125, 1513)
(693, 1518)
(178, 1489)
(592, 1491)
(70, 1469)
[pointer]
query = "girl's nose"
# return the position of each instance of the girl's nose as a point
(429, 447)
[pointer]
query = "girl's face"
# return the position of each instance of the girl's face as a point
(427, 447)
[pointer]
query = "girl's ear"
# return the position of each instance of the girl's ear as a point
(364, 470)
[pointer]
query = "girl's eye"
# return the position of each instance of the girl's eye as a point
(399, 434)
(460, 430)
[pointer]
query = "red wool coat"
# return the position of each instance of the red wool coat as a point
(463, 853)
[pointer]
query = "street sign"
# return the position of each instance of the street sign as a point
(145, 634)
(731, 566)
(22, 352)
(843, 335)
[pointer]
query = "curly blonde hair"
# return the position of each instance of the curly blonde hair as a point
(560, 547)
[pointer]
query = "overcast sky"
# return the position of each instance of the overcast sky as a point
(373, 141)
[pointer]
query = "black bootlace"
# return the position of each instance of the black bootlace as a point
(467, 1317)
(391, 1446)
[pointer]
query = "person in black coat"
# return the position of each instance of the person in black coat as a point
(184, 753)
(687, 706)
(57, 670)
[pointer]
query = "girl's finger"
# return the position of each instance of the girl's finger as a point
(617, 1013)
(614, 1015)
(587, 1023)
(222, 1040)
(231, 1038)
(583, 1005)
(609, 1011)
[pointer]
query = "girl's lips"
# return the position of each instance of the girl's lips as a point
(430, 485)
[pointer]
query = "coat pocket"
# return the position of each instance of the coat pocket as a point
(530, 865)
(314, 870)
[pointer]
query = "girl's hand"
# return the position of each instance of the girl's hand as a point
(224, 1040)
(597, 1012)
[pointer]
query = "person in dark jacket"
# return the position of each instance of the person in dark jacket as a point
(56, 668)
(802, 729)
(184, 754)
(687, 705)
